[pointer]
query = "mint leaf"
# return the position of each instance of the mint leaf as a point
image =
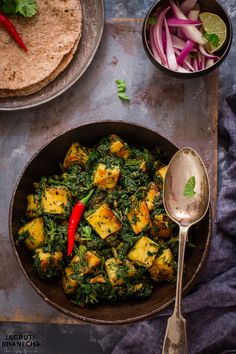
(26, 8)
(189, 187)
(212, 38)
(121, 89)
(152, 20)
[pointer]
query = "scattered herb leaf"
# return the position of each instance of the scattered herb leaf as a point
(212, 38)
(8, 6)
(26, 8)
(123, 96)
(189, 187)
(121, 89)
(152, 20)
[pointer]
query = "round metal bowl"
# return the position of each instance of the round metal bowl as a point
(212, 6)
(45, 163)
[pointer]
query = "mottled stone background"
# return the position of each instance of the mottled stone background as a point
(86, 339)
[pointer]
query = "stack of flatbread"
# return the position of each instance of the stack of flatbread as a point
(51, 36)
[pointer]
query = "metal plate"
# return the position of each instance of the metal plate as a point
(93, 24)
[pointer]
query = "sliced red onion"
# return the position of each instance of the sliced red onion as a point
(186, 50)
(187, 5)
(190, 32)
(209, 56)
(163, 35)
(177, 42)
(182, 70)
(209, 63)
(153, 46)
(193, 15)
(175, 22)
(173, 30)
(157, 35)
(195, 64)
(199, 65)
(180, 34)
(177, 51)
(187, 62)
(170, 54)
(203, 61)
(199, 60)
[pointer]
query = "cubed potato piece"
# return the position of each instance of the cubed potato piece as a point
(112, 267)
(91, 259)
(162, 267)
(32, 205)
(35, 231)
(136, 287)
(106, 177)
(79, 267)
(161, 226)
(99, 279)
(118, 147)
(152, 193)
(68, 283)
(144, 252)
(55, 200)
(104, 221)
(162, 171)
(48, 264)
(76, 154)
(138, 216)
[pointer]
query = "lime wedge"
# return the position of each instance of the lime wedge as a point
(215, 30)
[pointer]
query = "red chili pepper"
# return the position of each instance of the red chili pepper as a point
(75, 217)
(11, 30)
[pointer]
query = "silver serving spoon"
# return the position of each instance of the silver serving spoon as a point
(186, 199)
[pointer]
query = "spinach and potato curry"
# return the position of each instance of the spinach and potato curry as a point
(124, 242)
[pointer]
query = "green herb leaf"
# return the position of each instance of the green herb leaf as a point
(152, 20)
(8, 6)
(121, 89)
(121, 85)
(189, 187)
(26, 8)
(123, 96)
(212, 38)
(86, 233)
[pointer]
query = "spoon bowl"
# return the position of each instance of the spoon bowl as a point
(186, 199)
(185, 210)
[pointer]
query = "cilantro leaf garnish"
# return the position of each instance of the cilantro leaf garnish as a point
(212, 38)
(121, 89)
(8, 6)
(26, 8)
(189, 187)
(123, 96)
(152, 20)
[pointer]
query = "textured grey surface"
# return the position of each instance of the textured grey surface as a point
(86, 339)
(161, 103)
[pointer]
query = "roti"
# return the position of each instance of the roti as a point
(38, 86)
(51, 36)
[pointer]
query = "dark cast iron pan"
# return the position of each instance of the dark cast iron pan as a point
(46, 163)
